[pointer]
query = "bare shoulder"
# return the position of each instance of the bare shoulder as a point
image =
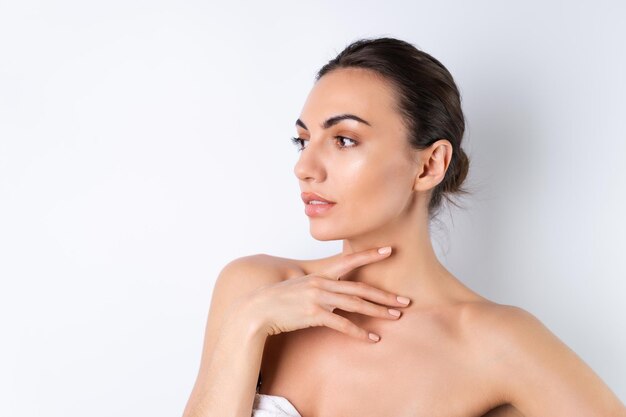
(531, 367)
(284, 267)
(237, 279)
(491, 319)
(506, 334)
(243, 275)
(249, 272)
(507, 331)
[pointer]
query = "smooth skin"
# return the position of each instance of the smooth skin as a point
(451, 353)
(252, 300)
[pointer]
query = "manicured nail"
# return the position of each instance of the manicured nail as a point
(374, 337)
(385, 250)
(394, 312)
(403, 300)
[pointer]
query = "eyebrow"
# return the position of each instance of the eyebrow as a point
(334, 120)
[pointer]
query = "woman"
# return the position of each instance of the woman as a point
(380, 140)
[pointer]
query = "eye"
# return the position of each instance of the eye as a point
(343, 137)
(300, 142)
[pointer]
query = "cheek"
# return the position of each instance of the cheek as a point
(375, 189)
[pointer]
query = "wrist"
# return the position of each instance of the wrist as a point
(247, 318)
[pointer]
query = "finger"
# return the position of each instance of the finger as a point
(356, 304)
(363, 290)
(343, 325)
(347, 263)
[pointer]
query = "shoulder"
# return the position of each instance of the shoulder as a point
(505, 335)
(237, 278)
(276, 267)
(249, 272)
(531, 367)
(495, 320)
(241, 277)
(508, 335)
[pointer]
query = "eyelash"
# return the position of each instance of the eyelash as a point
(299, 141)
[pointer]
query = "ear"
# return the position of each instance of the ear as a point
(434, 162)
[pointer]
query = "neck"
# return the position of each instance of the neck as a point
(412, 269)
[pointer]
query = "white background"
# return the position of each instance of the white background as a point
(143, 145)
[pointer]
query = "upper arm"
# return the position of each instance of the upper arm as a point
(539, 374)
(237, 279)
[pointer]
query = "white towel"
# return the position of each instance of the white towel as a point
(266, 405)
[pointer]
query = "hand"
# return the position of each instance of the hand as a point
(309, 300)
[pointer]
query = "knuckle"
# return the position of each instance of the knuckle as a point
(354, 301)
(315, 281)
(315, 293)
(345, 325)
(368, 291)
(312, 310)
(361, 286)
(384, 296)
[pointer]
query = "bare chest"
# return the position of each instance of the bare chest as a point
(420, 367)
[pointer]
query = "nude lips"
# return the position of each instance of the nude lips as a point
(314, 210)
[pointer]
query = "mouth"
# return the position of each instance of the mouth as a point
(313, 198)
(315, 205)
(314, 209)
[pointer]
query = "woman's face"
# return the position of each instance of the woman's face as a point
(368, 170)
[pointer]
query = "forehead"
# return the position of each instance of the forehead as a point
(351, 90)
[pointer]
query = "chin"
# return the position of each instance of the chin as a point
(324, 233)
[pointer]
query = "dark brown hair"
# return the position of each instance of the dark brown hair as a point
(428, 100)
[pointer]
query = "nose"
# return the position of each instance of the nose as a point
(310, 165)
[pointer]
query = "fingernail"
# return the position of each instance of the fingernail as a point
(385, 250)
(374, 337)
(394, 312)
(403, 300)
